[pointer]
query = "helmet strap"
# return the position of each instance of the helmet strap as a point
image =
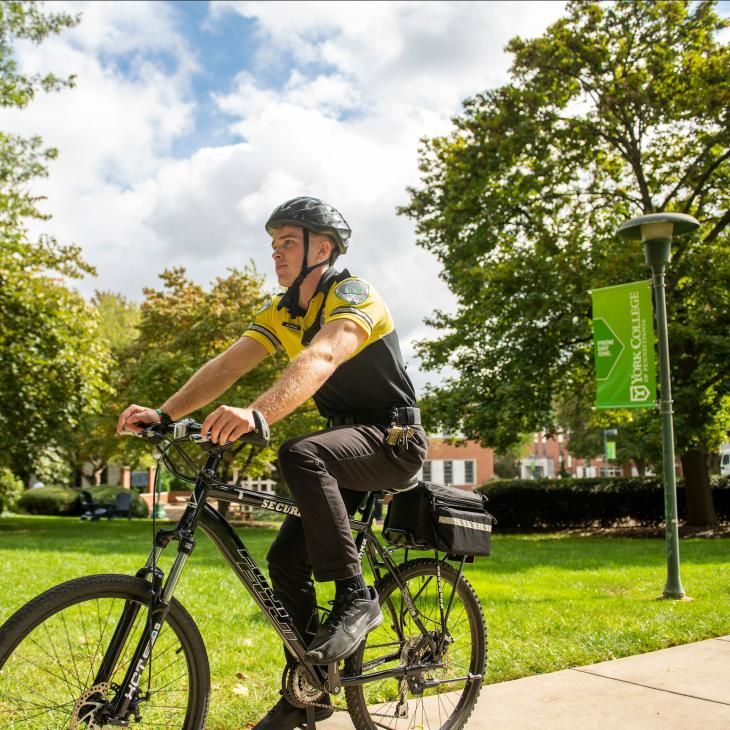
(290, 300)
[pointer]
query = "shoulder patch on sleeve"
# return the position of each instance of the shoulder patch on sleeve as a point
(354, 291)
(270, 304)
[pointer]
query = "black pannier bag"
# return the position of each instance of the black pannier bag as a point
(435, 517)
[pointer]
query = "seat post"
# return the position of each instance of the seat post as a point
(369, 508)
(368, 512)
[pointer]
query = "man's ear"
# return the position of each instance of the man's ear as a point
(327, 248)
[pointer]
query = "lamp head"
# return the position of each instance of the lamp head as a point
(658, 225)
(656, 231)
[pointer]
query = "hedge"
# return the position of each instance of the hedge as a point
(563, 503)
(50, 501)
(67, 502)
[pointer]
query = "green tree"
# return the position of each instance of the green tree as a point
(619, 109)
(23, 159)
(53, 364)
(182, 326)
(94, 444)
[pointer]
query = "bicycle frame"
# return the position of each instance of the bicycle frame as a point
(199, 514)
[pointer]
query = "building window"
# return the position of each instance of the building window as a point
(426, 471)
(448, 472)
(469, 472)
(610, 471)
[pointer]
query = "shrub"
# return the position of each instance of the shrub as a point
(11, 489)
(50, 501)
(67, 502)
(562, 503)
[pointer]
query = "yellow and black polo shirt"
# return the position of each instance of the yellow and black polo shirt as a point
(374, 378)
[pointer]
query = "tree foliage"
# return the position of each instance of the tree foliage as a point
(94, 444)
(53, 364)
(618, 110)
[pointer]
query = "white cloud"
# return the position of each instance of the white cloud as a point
(368, 80)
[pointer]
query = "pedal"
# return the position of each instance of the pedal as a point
(311, 718)
(333, 678)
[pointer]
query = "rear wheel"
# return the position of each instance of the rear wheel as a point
(438, 696)
(51, 650)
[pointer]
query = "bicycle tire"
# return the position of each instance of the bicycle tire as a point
(399, 703)
(50, 650)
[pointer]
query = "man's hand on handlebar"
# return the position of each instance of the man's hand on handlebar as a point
(227, 423)
(134, 418)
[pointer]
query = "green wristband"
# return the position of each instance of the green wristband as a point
(165, 417)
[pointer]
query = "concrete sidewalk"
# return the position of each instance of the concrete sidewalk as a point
(685, 686)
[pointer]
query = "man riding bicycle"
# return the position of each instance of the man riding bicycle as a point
(345, 354)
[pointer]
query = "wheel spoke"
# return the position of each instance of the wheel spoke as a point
(58, 656)
(407, 703)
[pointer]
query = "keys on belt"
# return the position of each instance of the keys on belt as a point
(399, 435)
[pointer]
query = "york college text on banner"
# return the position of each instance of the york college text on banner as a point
(623, 335)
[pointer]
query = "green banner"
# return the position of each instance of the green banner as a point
(610, 450)
(623, 337)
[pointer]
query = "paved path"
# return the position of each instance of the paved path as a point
(682, 687)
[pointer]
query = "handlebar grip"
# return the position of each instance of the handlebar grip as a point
(261, 435)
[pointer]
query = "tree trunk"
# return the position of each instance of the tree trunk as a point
(640, 465)
(700, 510)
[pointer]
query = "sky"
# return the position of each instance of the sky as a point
(191, 121)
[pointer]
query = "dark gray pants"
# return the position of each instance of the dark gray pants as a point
(327, 473)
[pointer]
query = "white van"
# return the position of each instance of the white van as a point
(725, 461)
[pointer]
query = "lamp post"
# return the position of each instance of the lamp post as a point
(656, 231)
(609, 451)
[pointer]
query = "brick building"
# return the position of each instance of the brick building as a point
(548, 457)
(463, 464)
(466, 464)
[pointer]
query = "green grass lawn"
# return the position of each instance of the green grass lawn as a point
(551, 601)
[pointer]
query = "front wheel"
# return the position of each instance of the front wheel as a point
(51, 650)
(449, 662)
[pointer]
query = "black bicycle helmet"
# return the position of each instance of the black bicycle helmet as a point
(313, 215)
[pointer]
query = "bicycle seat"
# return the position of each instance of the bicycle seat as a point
(412, 483)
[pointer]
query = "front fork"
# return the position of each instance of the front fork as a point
(127, 696)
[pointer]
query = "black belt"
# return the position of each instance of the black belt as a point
(404, 416)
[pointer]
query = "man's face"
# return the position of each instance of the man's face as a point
(288, 253)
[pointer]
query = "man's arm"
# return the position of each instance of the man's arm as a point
(306, 374)
(213, 379)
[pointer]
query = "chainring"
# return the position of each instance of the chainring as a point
(298, 688)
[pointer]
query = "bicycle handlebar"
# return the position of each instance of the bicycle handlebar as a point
(189, 429)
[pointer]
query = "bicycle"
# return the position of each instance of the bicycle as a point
(121, 650)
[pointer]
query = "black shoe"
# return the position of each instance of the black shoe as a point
(352, 617)
(284, 716)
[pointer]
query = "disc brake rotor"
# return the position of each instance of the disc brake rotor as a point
(86, 707)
